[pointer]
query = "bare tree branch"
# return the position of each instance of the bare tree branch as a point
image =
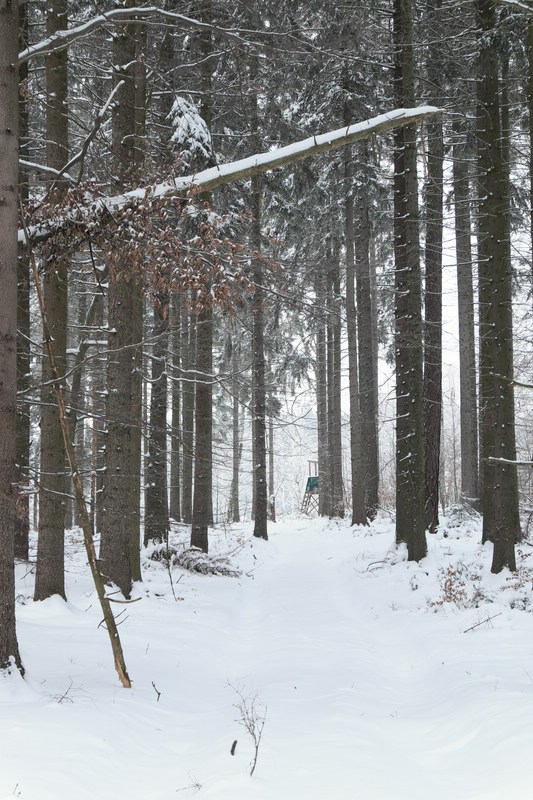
(63, 39)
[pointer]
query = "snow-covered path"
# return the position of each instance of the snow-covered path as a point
(367, 690)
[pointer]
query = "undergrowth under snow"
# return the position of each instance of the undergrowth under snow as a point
(337, 667)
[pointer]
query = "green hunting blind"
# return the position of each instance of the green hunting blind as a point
(311, 494)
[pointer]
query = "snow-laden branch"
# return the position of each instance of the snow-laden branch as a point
(519, 6)
(64, 38)
(212, 178)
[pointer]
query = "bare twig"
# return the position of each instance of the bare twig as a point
(483, 621)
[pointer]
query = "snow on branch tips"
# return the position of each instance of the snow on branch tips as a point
(190, 133)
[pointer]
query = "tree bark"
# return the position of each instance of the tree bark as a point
(501, 523)
(467, 344)
(22, 518)
(410, 516)
(434, 192)
(357, 455)
(9, 650)
(119, 517)
(367, 340)
(49, 573)
(156, 521)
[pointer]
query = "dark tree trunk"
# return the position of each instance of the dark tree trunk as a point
(258, 372)
(119, 512)
(9, 650)
(410, 512)
(22, 518)
(501, 523)
(234, 514)
(467, 344)
(156, 521)
(188, 391)
(357, 455)
(367, 341)
(333, 351)
(176, 432)
(321, 377)
(201, 512)
(49, 573)
(433, 284)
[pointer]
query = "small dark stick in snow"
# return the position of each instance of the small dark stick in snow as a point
(233, 747)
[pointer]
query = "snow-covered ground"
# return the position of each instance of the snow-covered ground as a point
(370, 678)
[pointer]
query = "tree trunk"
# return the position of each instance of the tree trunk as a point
(203, 443)
(235, 515)
(321, 377)
(410, 516)
(176, 432)
(467, 344)
(156, 522)
(22, 517)
(367, 341)
(49, 573)
(258, 372)
(119, 517)
(9, 650)
(501, 523)
(434, 192)
(188, 390)
(202, 511)
(357, 459)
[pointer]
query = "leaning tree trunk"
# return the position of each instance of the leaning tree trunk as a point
(410, 516)
(9, 650)
(50, 568)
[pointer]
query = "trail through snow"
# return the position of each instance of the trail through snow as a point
(368, 689)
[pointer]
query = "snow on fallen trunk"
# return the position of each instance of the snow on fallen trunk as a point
(212, 178)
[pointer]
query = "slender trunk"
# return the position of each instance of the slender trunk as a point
(156, 522)
(188, 391)
(434, 192)
(175, 394)
(49, 573)
(236, 443)
(120, 516)
(467, 345)
(22, 518)
(201, 511)
(367, 342)
(9, 650)
(410, 516)
(258, 372)
(357, 459)
(321, 377)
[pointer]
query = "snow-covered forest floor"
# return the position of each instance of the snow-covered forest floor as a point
(369, 677)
